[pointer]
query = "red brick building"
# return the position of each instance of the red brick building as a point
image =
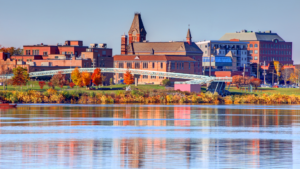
(73, 54)
(264, 46)
(135, 45)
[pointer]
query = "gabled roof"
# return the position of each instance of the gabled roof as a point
(152, 58)
(137, 25)
(230, 54)
(252, 36)
(163, 47)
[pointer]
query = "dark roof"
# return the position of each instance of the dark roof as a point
(137, 25)
(152, 58)
(252, 36)
(189, 34)
(142, 47)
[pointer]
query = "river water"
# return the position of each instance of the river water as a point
(150, 136)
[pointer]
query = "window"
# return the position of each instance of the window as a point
(56, 57)
(251, 46)
(83, 64)
(189, 65)
(45, 53)
(251, 51)
(205, 52)
(161, 77)
(153, 64)
(98, 55)
(178, 65)
(104, 52)
(255, 58)
(121, 65)
(172, 65)
(182, 65)
(276, 52)
(145, 65)
(153, 77)
(256, 52)
(129, 65)
(35, 52)
(161, 65)
(145, 76)
(137, 65)
(256, 45)
(27, 52)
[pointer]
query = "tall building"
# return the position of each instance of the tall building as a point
(154, 54)
(264, 46)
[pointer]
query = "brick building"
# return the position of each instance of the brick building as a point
(168, 54)
(73, 54)
(264, 46)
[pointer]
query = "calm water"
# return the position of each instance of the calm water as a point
(150, 136)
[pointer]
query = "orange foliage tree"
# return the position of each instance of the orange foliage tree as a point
(42, 83)
(58, 79)
(96, 77)
(128, 78)
(76, 77)
(86, 78)
(255, 82)
(21, 76)
(239, 80)
(11, 50)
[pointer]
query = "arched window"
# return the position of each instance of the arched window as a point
(251, 46)
(256, 45)
(134, 36)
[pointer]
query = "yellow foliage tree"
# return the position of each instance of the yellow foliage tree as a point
(295, 76)
(86, 78)
(76, 77)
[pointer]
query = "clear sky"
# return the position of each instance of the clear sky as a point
(27, 22)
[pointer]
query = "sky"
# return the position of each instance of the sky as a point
(27, 22)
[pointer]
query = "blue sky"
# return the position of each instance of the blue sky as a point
(26, 22)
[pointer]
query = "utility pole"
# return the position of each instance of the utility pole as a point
(264, 72)
(258, 75)
(273, 77)
(208, 46)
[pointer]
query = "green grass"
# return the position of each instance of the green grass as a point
(288, 91)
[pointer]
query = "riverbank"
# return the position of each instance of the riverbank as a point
(142, 96)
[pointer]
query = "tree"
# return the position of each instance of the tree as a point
(240, 80)
(86, 78)
(21, 76)
(12, 50)
(295, 76)
(71, 84)
(42, 84)
(96, 77)
(50, 84)
(286, 74)
(255, 82)
(111, 81)
(128, 78)
(166, 82)
(76, 77)
(58, 79)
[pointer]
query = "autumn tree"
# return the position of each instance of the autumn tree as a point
(58, 79)
(240, 80)
(21, 76)
(11, 50)
(128, 78)
(86, 78)
(286, 74)
(255, 82)
(295, 76)
(96, 77)
(76, 77)
(42, 84)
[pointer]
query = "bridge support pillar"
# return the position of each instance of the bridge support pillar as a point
(136, 81)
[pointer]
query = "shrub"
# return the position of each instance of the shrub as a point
(42, 84)
(51, 91)
(166, 82)
(71, 84)
(50, 84)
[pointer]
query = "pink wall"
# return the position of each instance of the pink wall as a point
(188, 87)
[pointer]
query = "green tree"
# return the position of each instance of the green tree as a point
(166, 82)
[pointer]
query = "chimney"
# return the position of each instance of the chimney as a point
(124, 44)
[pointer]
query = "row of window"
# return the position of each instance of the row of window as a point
(152, 77)
(276, 46)
(179, 65)
(276, 52)
(277, 58)
(145, 65)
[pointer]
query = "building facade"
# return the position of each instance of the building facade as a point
(264, 46)
(135, 45)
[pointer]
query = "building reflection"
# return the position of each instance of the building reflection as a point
(150, 149)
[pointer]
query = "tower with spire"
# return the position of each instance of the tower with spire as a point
(137, 31)
(189, 37)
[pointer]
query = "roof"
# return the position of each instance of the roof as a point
(152, 58)
(189, 34)
(252, 36)
(163, 47)
(230, 54)
(137, 25)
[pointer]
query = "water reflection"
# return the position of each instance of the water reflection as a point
(136, 136)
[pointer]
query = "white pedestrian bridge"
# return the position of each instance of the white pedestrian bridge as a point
(192, 78)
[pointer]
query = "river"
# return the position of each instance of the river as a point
(149, 136)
